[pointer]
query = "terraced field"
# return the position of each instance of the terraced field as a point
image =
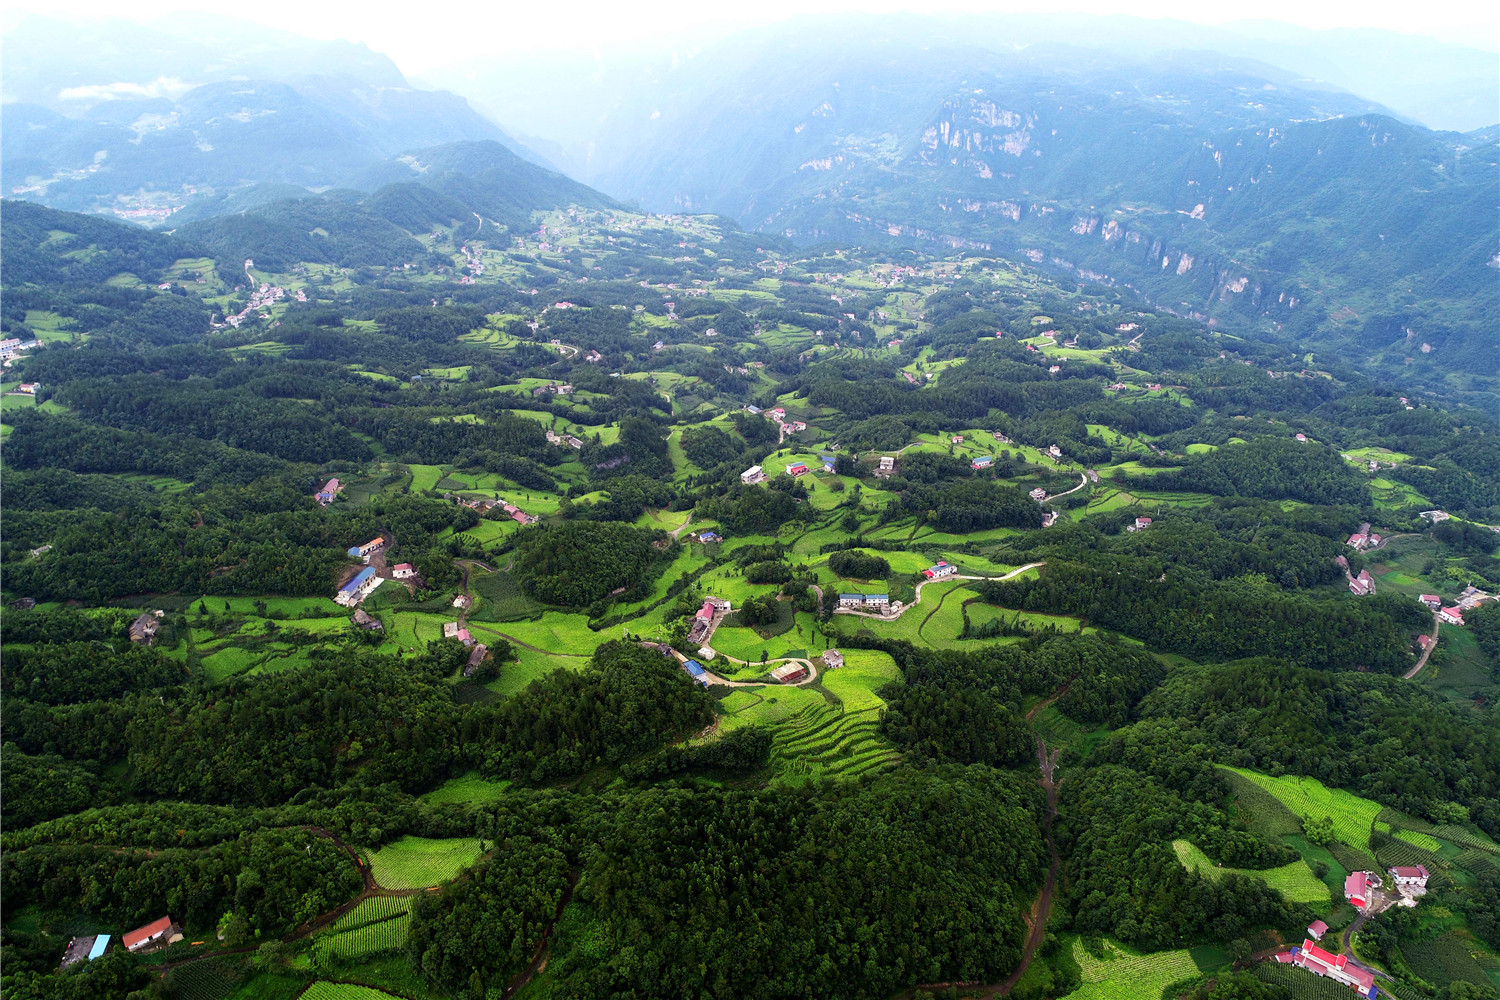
(1295, 881)
(822, 741)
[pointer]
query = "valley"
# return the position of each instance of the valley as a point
(967, 522)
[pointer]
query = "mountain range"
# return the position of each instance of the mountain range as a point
(139, 123)
(1262, 197)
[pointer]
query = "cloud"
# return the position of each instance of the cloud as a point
(162, 86)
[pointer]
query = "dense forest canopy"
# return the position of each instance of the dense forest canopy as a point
(1052, 626)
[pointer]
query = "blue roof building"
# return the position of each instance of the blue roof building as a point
(357, 579)
(100, 943)
(696, 671)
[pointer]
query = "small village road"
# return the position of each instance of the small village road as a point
(1426, 652)
(1083, 481)
(917, 597)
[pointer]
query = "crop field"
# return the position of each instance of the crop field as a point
(1400, 852)
(1308, 798)
(373, 910)
(823, 742)
(210, 979)
(1125, 975)
(1295, 881)
(1466, 838)
(1445, 959)
(528, 666)
(324, 990)
(468, 787)
(419, 862)
(1261, 810)
(854, 684)
(1425, 841)
(424, 477)
(766, 706)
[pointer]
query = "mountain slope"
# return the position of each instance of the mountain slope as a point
(1213, 190)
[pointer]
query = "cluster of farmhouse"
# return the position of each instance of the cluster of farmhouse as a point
(707, 618)
(1361, 889)
(153, 936)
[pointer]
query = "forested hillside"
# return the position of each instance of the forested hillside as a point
(573, 602)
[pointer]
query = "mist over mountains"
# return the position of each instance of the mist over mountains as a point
(1258, 173)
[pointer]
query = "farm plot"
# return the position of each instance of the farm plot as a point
(1353, 817)
(1262, 811)
(419, 862)
(1295, 881)
(864, 672)
(1425, 841)
(373, 911)
(369, 939)
(823, 741)
(210, 979)
(325, 990)
(1117, 974)
(468, 787)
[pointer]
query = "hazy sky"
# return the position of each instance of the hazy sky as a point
(453, 32)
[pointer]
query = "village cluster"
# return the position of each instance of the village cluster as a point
(1367, 893)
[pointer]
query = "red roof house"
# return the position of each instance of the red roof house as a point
(156, 931)
(1316, 930)
(706, 612)
(1357, 889)
(1335, 967)
(1453, 616)
(1410, 876)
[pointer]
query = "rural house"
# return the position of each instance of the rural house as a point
(368, 549)
(1141, 524)
(939, 570)
(144, 628)
(751, 476)
(1039, 494)
(1416, 876)
(1316, 930)
(476, 657)
(778, 414)
(360, 586)
(157, 933)
(1433, 601)
(364, 620)
(696, 672)
(1335, 967)
(1357, 890)
(1363, 584)
(797, 469)
(29, 388)
(330, 490)
(790, 673)
(982, 462)
(402, 571)
(463, 601)
(1453, 616)
(833, 659)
